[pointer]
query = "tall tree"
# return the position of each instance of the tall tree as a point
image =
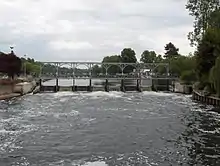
(148, 57)
(208, 50)
(214, 19)
(201, 10)
(128, 56)
(171, 51)
(159, 58)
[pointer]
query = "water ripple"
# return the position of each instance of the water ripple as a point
(113, 128)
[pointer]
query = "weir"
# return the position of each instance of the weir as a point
(137, 77)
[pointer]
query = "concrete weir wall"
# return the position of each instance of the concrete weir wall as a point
(24, 88)
(180, 88)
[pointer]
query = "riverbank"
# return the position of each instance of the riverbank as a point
(16, 90)
(201, 97)
(6, 92)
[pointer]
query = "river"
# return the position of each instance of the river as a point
(108, 129)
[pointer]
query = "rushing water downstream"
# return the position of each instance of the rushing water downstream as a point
(104, 129)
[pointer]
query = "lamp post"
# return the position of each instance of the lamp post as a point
(25, 65)
(11, 47)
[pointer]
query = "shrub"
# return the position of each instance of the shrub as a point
(188, 77)
(214, 77)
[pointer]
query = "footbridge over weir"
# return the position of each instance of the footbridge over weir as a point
(129, 76)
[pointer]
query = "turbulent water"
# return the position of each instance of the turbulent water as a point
(101, 129)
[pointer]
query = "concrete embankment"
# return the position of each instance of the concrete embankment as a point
(20, 89)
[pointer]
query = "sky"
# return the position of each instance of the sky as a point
(88, 30)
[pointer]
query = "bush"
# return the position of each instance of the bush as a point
(188, 77)
(214, 77)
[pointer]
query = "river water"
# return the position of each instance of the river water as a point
(108, 129)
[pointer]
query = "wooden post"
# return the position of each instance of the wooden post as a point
(106, 86)
(138, 85)
(57, 85)
(168, 82)
(90, 85)
(73, 82)
(122, 85)
(40, 84)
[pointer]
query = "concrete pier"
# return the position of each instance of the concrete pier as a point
(90, 85)
(139, 85)
(106, 86)
(57, 85)
(123, 85)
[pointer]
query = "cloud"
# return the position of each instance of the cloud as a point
(83, 30)
(62, 45)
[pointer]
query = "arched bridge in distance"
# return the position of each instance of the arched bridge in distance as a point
(126, 76)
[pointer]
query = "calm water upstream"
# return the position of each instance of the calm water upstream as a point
(108, 129)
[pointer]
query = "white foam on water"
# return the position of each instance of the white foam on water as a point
(97, 163)
(151, 93)
(99, 94)
(62, 94)
(216, 131)
(63, 114)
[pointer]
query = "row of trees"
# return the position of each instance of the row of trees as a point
(206, 36)
(182, 66)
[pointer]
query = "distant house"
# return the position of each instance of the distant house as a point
(144, 72)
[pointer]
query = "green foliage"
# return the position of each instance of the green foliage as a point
(128, 56)
(201, 10)
(214, 77)
(148, 57)
(188, 76)
(171, 51)
(96, 70)
(207, 52)
(182, 64)
(10, 64)
(112, 59)
(214, 19)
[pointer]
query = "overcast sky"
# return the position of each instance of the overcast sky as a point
(88, 30)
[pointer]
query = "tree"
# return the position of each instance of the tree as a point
(201, 10)
(171, 51)
(128, 56)
(207, 52)
(188, 76)
(214, 19)
(214, 77)
(10, 64)
(159, 59)
(112, 59)
(148, 57)
(96, 70)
